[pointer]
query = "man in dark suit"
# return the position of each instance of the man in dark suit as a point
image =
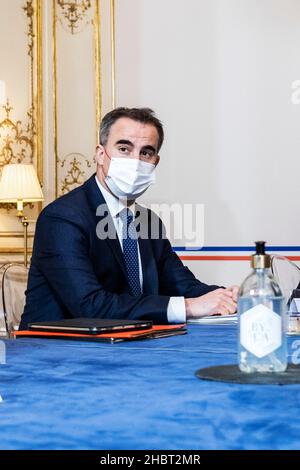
(95, 251)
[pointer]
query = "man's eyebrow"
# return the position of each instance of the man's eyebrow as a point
(124, 142)
(149, 147)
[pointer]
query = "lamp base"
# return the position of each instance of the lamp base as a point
(25, 222)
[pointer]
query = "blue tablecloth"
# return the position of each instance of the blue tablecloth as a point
(139, 395)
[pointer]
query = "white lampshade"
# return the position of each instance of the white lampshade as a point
(2, 92)
(19, 182)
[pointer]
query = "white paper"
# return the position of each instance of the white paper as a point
(215, 319)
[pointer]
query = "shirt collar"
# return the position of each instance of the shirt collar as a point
(114, 204)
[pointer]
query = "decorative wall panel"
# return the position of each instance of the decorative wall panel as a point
(21, 129)
(77, 90)
(21, 136)
(53, 111)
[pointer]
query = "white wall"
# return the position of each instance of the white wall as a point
(72, 79)
(219, 74)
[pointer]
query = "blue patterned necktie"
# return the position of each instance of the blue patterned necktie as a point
(130, 251)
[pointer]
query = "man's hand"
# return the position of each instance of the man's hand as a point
(219, 301)
(234, 290)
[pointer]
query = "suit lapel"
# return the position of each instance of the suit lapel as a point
(150, 279)
(99, 206)
(150, 276)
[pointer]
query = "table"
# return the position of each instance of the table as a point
(139, 395)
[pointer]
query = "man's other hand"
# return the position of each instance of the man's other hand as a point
(219, 301)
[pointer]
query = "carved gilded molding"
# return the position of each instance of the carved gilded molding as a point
(75, 175)
(113, 51)
(73, 169)
(75, 14)
(15, 234)
(9, 250)
(30, 13)
(16, 139)
(21, 140)
(33, 11)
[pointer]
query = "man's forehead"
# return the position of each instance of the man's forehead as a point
(126, 128)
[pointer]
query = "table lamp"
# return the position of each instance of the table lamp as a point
(19, 184)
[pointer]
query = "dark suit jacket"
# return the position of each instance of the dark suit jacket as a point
(73, 273)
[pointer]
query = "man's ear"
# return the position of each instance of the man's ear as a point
(99, 156)
(157, 160)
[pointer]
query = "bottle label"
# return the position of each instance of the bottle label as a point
(260, 330)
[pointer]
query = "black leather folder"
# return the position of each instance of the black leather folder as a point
(90, 326)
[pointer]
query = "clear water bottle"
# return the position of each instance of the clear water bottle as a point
(262, 319)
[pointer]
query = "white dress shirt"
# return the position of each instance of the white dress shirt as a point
(176, 309)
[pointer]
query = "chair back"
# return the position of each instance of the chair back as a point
(286, 273)
(14, 283)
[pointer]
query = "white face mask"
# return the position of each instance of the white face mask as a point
(129, 178)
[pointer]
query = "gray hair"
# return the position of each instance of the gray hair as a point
(144, 115)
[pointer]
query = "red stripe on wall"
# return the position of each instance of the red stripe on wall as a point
(225, 258)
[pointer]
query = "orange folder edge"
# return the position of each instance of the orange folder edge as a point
(125, 334)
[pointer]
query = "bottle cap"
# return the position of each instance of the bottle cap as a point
(260, 260)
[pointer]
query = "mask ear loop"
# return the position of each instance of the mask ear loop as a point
(108, 156)
(106, 153)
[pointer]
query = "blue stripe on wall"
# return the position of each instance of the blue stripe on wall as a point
(236, 248)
